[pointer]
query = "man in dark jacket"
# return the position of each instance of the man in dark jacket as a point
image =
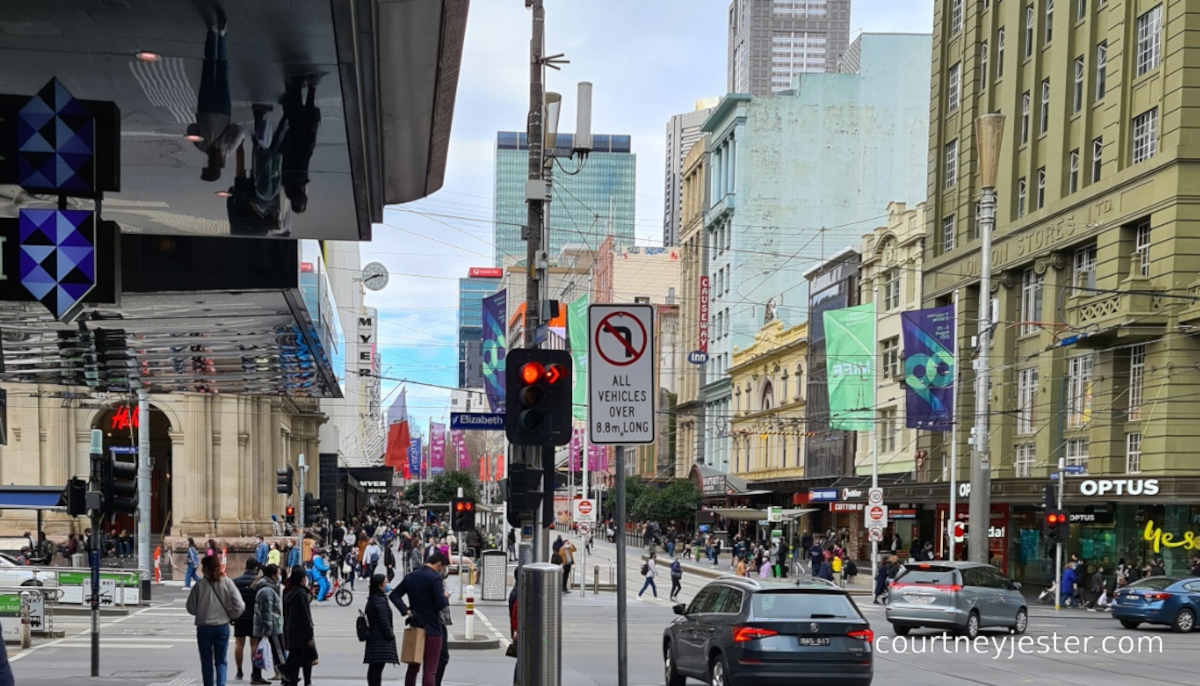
(426, 597)
(244, 624)
(512, 619)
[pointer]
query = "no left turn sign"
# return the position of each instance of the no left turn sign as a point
(621, 374)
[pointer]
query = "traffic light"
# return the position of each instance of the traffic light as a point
(76, 497)
(311, 509)
(284, 479)
(524, 492)
(462, 514)
(118, 483)
(1057, 527)
(538, 397)
(290, 515)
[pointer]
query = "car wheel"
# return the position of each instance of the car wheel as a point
(901, 630)
(718, 672)
(673, 678)
(1184, 622)
(1022, 622)
(1130, 623)
(971, 629)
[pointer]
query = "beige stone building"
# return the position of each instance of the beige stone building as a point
(768, 427)
(890, 271)
(693, 325)
(214, 456)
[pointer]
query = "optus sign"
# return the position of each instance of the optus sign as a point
(1095, 487)
(702, 345)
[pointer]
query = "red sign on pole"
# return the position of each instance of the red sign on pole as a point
(704, 291)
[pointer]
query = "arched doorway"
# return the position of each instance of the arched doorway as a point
(120, 431)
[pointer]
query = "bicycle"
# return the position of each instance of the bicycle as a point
(338, 591)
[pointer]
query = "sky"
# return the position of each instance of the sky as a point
(647, 60)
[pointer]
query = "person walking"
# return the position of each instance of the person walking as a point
(427, 597)
(567, 551)
(380, 650)
(243, 625)
(513, 614)
(298, 634)
(371, 556)
(215, 603)
(676, 578)
(512, 545)
(293, 556)
(1066, 587)
(648, 571)
(1098, 587)
(216, 133)
(268, 621)
(825, 569)
(881, 580)
(261, 551)
(193, 563)
(275, 555)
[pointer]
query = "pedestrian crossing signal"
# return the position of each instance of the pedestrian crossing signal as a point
(462, 514)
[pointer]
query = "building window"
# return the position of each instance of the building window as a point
(1137, 379)
(1085, 267)
(954, 85)
(1097, 158)
(1073, 174)
(1020, 198)
(1031, 302)
(799, 382)
(956, 16)
(1101, 69)
(1141, 247)
(1027, 381)
(1077, 89)
(951, 163)
(1081, 10)
(1049, 20)
(948, 234)
(1079, 391)
(1023, 464)
(1145, 135)
(891, 289)
(983, 66)
(888, 428)
(1041, 188)
(1029, 30)
(1025, 118)
(783, 384)
(891, 357)
(1077, 453)
(1133, 453)
(1149, 40)
(1000, 52)
(1044, 119)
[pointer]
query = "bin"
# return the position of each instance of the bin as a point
(79, 560)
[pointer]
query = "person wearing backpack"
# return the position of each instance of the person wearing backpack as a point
(676, 579)
(267, 609)
(243, 625)
(648, 570)
(380, 649)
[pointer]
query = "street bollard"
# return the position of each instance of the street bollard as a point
(539, 619)
(470, 635)
(596, 581)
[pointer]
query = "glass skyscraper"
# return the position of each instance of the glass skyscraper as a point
(471, 292)
(585, 208)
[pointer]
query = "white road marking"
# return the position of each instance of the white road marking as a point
(76, 637)
(504, 640)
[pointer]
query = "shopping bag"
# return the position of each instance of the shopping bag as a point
(412, 650)
(263, 658)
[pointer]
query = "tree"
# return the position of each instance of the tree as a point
(678, 503)
(635, 491)
(442, 488)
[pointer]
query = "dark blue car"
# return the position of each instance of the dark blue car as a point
(1167, 600)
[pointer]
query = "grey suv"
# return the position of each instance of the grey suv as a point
(742, 632)
(959, 596)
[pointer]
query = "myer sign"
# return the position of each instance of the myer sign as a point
(1099, 487)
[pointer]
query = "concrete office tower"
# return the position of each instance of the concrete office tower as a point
(683, 130)
(584, 208)
(773, 41)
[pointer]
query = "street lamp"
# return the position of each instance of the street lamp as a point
(989, 133)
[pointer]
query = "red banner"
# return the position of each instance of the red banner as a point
(398, 443)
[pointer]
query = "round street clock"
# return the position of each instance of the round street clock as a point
(375, 276)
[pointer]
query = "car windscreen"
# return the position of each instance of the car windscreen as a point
(1157, 583)
(802, 605)
(927, 574)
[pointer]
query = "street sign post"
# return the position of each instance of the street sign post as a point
(875, 496)
(584, 510)
(585, 529)
(476, 421)
(621, 374)
(876, 516)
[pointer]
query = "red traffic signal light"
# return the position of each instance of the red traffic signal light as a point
(291, 511)
(553, 374)
(532, 372)
(1055, 518)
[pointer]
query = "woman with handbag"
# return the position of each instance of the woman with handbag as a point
(215, 602)
(381, 638)
(298, 629)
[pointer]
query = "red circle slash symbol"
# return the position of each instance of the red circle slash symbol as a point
(624, 335)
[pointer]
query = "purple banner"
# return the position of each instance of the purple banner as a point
(437, 449)
(929, 368)
(576, 463)
(414, 458)
(462, 460)
(597, 458)
(495, 335)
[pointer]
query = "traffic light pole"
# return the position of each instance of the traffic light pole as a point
(535, 194)
(96, 511)
(1058, 544)
(143, 485)
(303, 515)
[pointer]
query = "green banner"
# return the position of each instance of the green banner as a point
(577, 331)
(10, 604)
(850, 362)
(78, 578)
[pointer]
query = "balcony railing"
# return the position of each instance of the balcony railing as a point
(720, 209)
(1137, 310)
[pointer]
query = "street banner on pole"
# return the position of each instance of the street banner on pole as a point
(929, 368)
(396, 453)
(414, 458)
(575, 461)
(493, 349)
(462, 460)
(850, 363)
(578, 332)
(437, 448)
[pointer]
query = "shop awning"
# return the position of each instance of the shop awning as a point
(31, 498)
(753, 514)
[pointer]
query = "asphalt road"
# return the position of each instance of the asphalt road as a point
(155, 646)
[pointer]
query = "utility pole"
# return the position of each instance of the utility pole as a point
(535, 195)
(143, 486)
(95, 505)
(303, 515)
(989, 132)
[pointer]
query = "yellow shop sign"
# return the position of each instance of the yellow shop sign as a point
(1164, 540)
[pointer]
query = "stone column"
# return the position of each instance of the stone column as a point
(195, 496)
(226, 466)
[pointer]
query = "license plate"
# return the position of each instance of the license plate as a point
(919, 599)
(810, 641)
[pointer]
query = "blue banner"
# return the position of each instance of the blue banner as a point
(414, 457)
(929, 368)
(494, 344)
